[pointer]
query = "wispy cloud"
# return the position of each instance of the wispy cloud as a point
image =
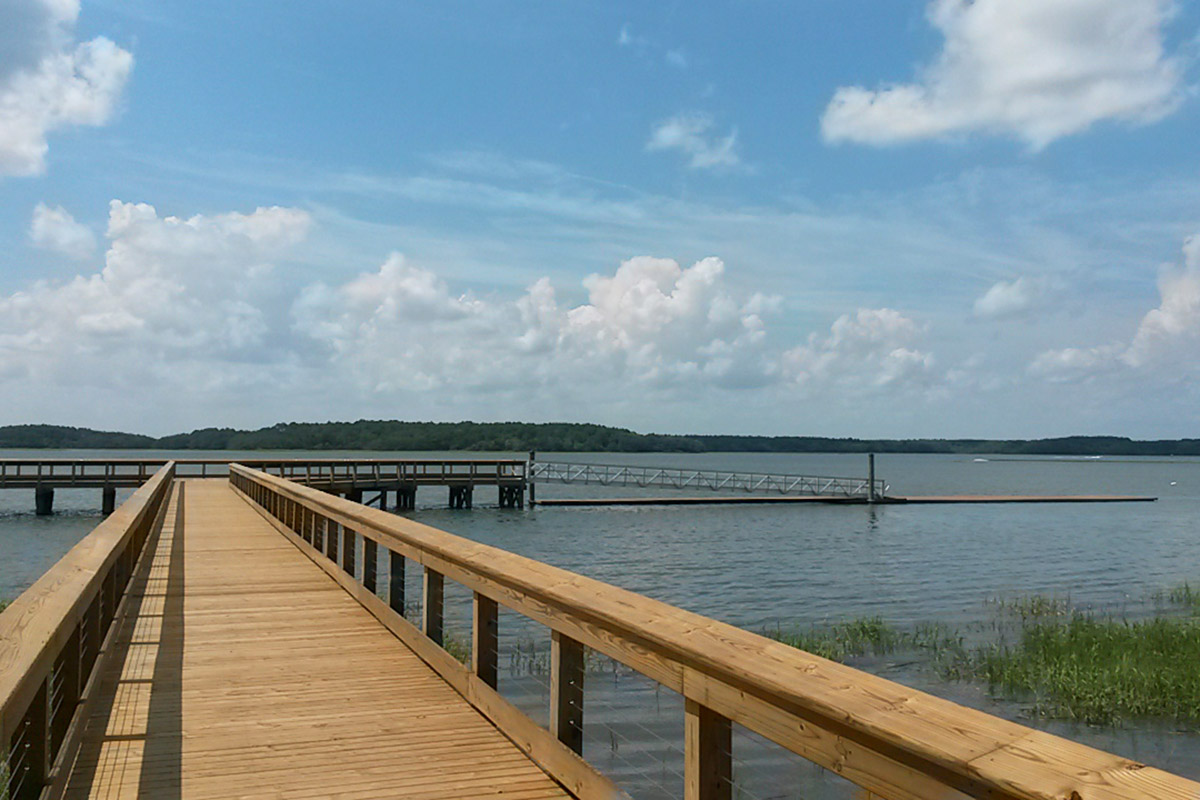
(691, 135)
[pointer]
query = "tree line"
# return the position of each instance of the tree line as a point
(396, 435)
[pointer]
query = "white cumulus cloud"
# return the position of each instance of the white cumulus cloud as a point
(47, 81)
(690, 135)
(871, 349)
(1168, 336)
(56, 230)
(1038, 70)
(172, 293)
(652, 322)
(1005, 299)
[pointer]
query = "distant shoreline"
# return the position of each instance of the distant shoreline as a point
(391, 435)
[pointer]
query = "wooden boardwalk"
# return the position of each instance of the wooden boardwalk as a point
(242, 670)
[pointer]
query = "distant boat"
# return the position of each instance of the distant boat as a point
(979, 460)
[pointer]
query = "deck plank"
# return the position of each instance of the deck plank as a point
(242, 671)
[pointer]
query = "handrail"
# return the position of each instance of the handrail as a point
(896, 742)
(51, 636)
(703, 478)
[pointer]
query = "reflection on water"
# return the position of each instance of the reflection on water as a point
(762, 567)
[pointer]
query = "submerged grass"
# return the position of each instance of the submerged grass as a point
(1067, 664)
(1101, 670)
(1184, 595)
(872, 636)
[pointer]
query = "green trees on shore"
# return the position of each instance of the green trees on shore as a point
(556, 436)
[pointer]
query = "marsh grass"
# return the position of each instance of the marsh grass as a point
(1101, 671)
(871, 636)
(1184, 595)
(1064, 663)
(459, 647)
(1034, 606)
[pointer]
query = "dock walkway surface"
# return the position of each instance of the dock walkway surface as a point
(241, 670)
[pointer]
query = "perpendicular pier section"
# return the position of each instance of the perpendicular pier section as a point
(348, 477)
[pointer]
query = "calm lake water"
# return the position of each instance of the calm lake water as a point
(763, 567)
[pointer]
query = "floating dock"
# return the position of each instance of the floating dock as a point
(842, 500)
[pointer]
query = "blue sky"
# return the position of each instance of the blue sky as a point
(866, 219)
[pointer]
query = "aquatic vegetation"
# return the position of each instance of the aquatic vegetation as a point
(1101, 670)
(872, 636)
(1034, 606)
(459, 647)
(1184, 595)
(1066, 664)
(843, 640)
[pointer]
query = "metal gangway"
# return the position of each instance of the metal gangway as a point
(705, 479)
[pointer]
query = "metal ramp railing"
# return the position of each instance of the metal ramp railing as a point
(701, 479)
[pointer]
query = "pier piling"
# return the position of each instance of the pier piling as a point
(43, 498)
(108, 500)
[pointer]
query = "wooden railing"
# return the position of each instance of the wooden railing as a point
(53, 634)
(896, 742)
(84, 472)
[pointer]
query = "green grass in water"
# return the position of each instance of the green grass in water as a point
(458, 647)
(870, 636)
(1102, 671)
(1185, 595)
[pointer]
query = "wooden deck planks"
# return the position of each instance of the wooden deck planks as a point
(243, 671)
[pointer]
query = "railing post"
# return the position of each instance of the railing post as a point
(432, 605)
(566, 690)
(871, 478)
(347, 550)
(529, 480)
(331, 540)
(708, 754)
(370, 563)
(484, 639)
(396, 582)
(319, 526)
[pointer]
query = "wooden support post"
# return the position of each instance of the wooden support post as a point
(708, 758)
(43, 497)
(396, 582)
(354, 495)
(432, 605)
(566, 690)
(484, 639)
(108, 500)
(348, 550)
(331, 540)
(370, 563)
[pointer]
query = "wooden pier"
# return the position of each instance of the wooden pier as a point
(349, 477)
(238, 637)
